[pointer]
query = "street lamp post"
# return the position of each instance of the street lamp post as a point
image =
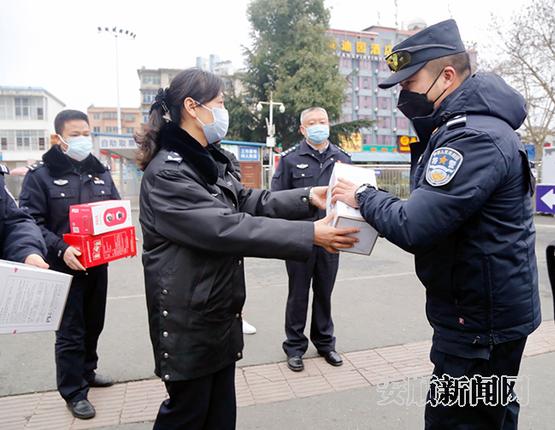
(271, 137)
(117, 33)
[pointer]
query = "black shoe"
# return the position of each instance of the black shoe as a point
(101, 381)
(295, 363)
(82, 409)
(332, 358)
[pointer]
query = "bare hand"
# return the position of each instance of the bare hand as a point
(319, 197)
(70, 258)
(344, 191)
(37, 261)
(333, 239)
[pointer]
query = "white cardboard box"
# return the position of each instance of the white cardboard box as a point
(100, 217)
(31, 299)
(344, 216)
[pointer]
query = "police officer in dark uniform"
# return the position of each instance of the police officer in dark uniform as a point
(20, 238)
(68, 175)
(469, 223)
(310, 163)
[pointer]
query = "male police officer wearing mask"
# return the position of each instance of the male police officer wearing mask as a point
(468, 220)
(68, 175)
(20, 238)
(310, 163)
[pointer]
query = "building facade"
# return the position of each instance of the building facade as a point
(105, 120)
(26, 124)
(362, 61)
(151, 81)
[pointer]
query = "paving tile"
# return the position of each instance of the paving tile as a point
(272, 392)
(346, 380)
(311, 386)
(138, 401)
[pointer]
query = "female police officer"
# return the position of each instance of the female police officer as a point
(198, 222)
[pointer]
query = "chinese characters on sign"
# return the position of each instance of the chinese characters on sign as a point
(247, 153)
(361, 49)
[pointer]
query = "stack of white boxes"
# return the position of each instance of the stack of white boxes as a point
(344, 216)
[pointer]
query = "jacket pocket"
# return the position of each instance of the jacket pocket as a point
(202, 286)
(302, 179)
(61, 198)
(102, 193)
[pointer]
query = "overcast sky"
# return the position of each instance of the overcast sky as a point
(54, 43)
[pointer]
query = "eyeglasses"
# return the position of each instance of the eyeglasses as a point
(397, 60)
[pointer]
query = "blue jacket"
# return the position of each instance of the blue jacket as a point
(52, 186)
(302, 166)
(19, 235)
(469, 218)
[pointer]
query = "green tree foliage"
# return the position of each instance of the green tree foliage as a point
(290, 56)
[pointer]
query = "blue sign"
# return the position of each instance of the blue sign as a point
(531, 151)
(545, 199)
(247, 153)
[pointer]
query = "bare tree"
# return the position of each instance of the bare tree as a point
(527, 61)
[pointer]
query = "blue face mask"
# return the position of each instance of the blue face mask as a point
(78, 147)
(216, 131)
(318, 133)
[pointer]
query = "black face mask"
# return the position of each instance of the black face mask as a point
(414, 105)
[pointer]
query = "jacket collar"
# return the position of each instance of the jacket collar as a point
(206, 161)
(305, 149)
(60, 164)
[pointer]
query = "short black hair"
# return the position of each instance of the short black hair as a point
(460, 62)
(68, 115)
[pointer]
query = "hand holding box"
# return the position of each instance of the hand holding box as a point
(345, 216)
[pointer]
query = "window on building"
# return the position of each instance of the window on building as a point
(110, 115)
(6, 107)
(384, 122)
(29, 107)
(384, 103)
(150, 79)
(22, 108)
(402, 123)
(148, 96)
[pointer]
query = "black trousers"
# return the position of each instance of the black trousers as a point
(77, 337)
(206, 403)
(504, 360)
(321, 271)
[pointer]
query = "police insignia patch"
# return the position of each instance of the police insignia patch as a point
(443, 166)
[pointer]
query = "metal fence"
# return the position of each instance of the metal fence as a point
(393, 178)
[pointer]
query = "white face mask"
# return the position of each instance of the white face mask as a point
(78, 147)
(215, 131)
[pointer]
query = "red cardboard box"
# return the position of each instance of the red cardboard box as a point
(100, 217)
(101, 249)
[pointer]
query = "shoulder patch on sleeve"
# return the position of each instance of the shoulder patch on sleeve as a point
(443, 166)
(290, 150)
(4, 169)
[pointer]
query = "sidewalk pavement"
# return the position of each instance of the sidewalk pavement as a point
(138, 401)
